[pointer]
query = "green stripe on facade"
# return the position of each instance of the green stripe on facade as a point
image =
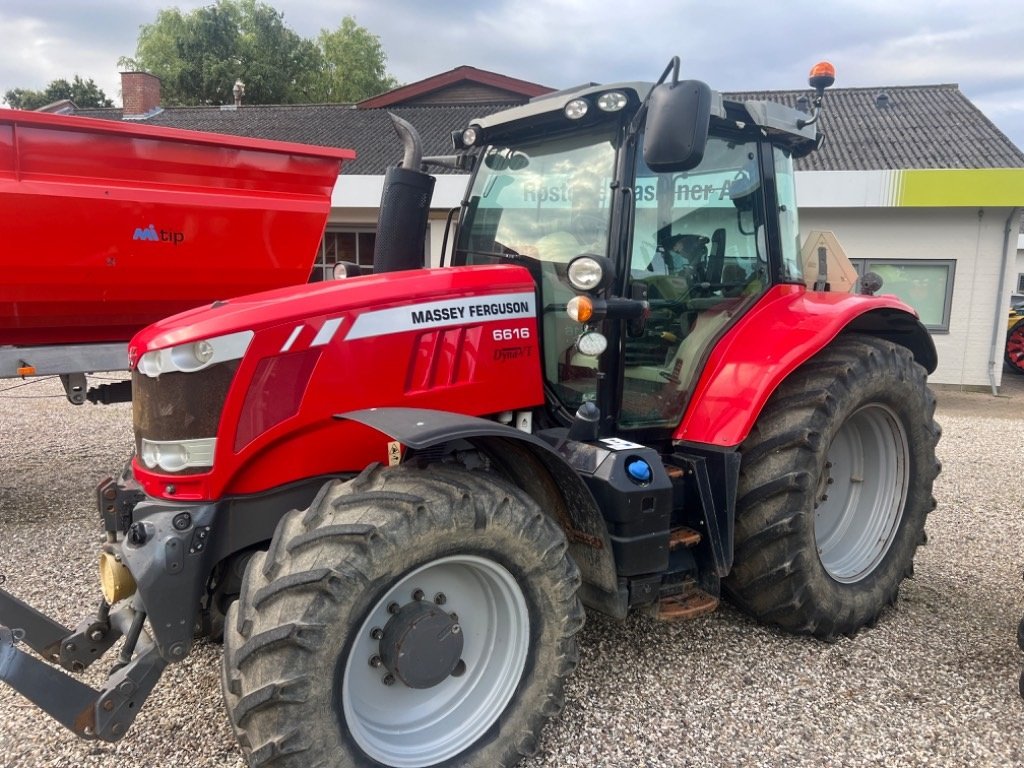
(975, 188)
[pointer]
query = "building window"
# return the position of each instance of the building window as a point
(355, 247)
(1020, 283)
(926, 285)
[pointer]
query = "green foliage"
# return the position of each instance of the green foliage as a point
(85, 93)
(198, 56)
(353, 63)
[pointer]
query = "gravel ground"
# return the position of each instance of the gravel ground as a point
(934, 683)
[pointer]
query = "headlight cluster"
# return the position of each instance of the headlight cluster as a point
(575, 109)
(588, 273)
(194, 356)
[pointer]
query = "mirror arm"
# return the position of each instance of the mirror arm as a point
(815, 111)
(673, 67)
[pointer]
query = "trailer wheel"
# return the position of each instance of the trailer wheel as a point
(835, 484)
(1014, 354)
(407, 618)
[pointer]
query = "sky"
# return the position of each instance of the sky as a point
(731, 45)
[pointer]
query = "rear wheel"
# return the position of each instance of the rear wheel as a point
(1014, 354)
(835, 485)
(408, 618)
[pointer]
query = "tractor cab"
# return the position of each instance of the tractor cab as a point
(666, 205)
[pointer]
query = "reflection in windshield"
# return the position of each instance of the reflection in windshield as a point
(548, 202)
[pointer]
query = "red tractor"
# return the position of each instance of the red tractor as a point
(394, 493)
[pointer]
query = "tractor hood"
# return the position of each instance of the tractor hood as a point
(298, 303)
(240, 397)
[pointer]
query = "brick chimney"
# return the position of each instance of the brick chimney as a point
(140, 94)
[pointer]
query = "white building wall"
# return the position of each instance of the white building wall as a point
(973, 238)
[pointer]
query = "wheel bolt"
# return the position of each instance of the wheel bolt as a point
(417, 595)
(375, 661)
(456, 629)
(394, 608)
(454, 617)
(388, 679)
(376, 633)
(440, 599)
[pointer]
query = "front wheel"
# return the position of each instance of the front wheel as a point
(408, 618)
(835, 484)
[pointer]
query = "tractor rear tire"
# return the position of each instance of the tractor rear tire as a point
(835, 484)
(1014, 351)
(410, 617)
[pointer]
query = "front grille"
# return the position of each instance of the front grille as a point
(180, 406)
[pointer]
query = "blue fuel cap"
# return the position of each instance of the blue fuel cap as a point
(639, 470)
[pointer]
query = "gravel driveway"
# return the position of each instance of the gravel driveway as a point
(934, 683)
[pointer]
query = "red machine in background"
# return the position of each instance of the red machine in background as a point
(109, 226)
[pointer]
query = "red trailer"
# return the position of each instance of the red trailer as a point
(109, 226)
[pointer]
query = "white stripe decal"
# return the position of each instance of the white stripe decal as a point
(292, 338)
(326, 332)
(442, 314)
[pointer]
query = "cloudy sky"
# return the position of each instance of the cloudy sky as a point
(732, 45)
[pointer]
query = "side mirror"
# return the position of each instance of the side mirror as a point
(678, 118)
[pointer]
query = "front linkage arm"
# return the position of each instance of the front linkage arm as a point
(92, 714)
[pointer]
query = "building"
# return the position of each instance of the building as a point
(914, 181)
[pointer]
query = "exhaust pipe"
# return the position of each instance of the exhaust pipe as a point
(404, 208)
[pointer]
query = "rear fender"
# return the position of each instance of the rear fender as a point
(527, 461)
(786, 328)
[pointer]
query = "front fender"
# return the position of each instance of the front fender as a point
(528, 461)
(784, 330)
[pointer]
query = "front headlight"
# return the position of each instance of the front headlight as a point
(196, 355)
(585, 274)
(176, 455)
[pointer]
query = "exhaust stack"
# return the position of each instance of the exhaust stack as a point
(404, 207)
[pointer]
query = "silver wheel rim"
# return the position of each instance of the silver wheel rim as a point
(414, 728)
(860, 500)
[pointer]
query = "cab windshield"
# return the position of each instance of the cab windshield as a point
(540, 205)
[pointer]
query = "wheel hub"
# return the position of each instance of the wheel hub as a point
(421, 645)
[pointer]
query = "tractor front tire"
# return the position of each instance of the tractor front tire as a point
(835, 485)
(410, 617)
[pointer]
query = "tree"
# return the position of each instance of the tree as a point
(85, 93)
(353, 63)
(198, 56)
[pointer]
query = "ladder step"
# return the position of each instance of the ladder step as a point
(686, 606)
(683, 537)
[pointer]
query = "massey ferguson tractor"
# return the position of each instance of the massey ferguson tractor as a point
(393, 494)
